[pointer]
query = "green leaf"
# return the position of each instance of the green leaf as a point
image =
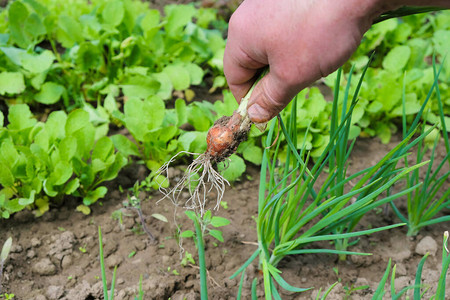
(38, 80)
(187, 234)
(160, 181)
(191, 215)
(195, 73)
(219, 221)
(42, 206)
(397, 58)
(11, 83)
(8, 153)
(29, 200)
(103, 149)
(252, 153)
(50, 93)
(5, 249)
(67, 148)
(179, 76)
(384, 133)
(180, 108)
(55, 124)
(113, 13)
(165, 85)
(84, 209)
(14, 54)
(20, 117)
(389, 94)
(14, 206)
(34, 27)
(178, 16)
(139, 86)
(233, 169)
(441, 39)
(2, 119)
(17, 15)
(200, 116)
(6, 176)
(374, 107)
(4, 37)
(152, 108)
(89, 56)
(93, 196)
(61, 173)
(217, 235)
(113, 169)
(71, 186)
(69, 31)
(76, 121)
(150, 20)
(124, 145)
(275, 274)
(315, 103)
(37, 63)
(207, 217)
(193, 141)
(79, 126)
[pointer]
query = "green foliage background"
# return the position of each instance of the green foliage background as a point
(72, 71)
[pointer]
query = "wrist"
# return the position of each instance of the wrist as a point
(387, 5)
(374, 8)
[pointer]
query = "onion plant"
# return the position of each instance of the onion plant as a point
(424, 203)
(295, 211)
(110, 295)
(107, 295)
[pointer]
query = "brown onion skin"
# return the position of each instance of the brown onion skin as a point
(219, 139)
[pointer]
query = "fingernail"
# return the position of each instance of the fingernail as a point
(257, 114)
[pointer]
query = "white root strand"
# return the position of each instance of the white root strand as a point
(199, 174)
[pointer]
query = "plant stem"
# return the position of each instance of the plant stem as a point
(1, 274)
(102, 264)
(201, 259)
(144, 225)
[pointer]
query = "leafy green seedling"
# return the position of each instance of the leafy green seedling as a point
(7, 296)
(187, 258)
(202, 224)
(3, 256)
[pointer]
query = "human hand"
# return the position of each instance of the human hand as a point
(300, 40)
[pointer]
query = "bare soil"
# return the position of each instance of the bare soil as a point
(56, 256)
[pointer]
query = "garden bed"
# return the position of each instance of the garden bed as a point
(57, 257)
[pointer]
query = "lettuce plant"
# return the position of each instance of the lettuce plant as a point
(41, 162)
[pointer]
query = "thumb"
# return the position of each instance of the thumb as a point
(270, 96)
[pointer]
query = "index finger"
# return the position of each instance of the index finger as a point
(239, 66)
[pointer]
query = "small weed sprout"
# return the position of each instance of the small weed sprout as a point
(3, 256)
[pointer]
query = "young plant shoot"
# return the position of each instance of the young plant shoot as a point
(201, 179)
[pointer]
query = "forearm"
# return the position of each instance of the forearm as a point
(369, 10)
(394, 4)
